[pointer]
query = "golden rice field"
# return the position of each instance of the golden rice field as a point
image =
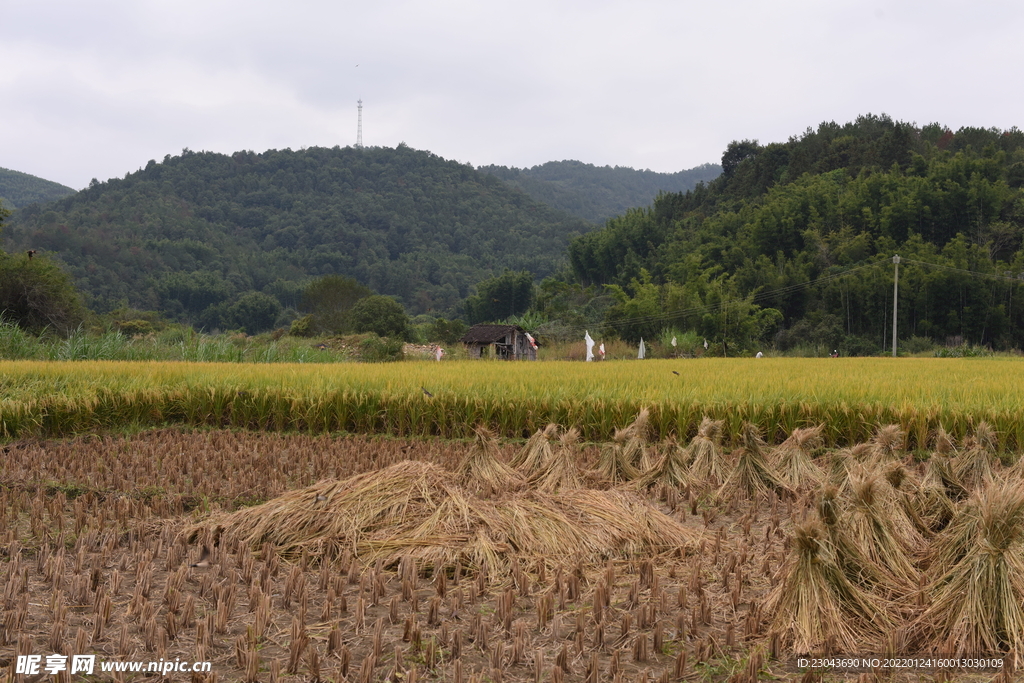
(850, 397)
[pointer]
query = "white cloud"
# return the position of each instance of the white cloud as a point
(97, 89)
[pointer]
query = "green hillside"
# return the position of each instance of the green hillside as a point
(19, 189)
(596, 193)
(791, 246)
(199, 230)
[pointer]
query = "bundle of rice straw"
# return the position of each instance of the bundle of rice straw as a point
(793, 460)
(707, 461)
(538, 450)
(417, 509)
(907, 492)
(752, 475)
(945, 444)
(816, 607)
(887, 443)
(560, 470)
(847, 556)
(976, 464)
(978, 595)
(840, 462)
(879, 527)
(934, 505)
(482, 469)
(626, 457)
(670, 470)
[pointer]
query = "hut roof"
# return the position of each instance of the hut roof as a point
(488, 334)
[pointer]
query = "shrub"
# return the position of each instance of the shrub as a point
(302, 327)
(381, 350)
(381, 315)
(37, 295)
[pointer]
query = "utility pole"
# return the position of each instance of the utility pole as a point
(895, 293)
(359, 127)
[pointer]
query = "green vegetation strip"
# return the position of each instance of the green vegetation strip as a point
(850, 397)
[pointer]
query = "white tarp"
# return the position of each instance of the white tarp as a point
(643, 350)
(590, 345)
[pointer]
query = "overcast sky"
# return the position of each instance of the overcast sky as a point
(96, 89)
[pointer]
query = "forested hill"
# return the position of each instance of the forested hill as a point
(200, 229)
(777, 233)
(19, 189)
(596, 193)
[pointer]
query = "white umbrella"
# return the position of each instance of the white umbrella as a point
(590, 345)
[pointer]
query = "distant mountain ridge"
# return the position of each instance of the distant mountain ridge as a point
(597, 193)
(19, 189)
(200, 230)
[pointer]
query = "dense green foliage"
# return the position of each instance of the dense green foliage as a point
(381, 315)
(194, 234)
(597, 193)
(328, 301)
(19, 189)
(35, 294)
(501, 297)
(789, 227)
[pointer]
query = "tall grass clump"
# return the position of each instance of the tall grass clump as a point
(15, 343)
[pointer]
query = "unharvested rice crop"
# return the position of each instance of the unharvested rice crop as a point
(850, 397)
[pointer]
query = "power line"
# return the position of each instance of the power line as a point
(991, 276)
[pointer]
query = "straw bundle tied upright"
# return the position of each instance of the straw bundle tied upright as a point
(816, 606)
(976, 465)
(670, 469)
(832, 509)
(978, 595)
(626, 457)
(887, 443)
(753, 475)
(934, 505)
(483, 471)
(793, 459)
(537, 452)
(945, 444)
(707, 461)
(879, 527)
(559, 472)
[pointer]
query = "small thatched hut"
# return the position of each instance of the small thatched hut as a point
(508, 342)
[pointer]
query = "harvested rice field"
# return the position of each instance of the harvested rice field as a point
(298, 557)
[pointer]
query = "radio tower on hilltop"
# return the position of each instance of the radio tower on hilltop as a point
(359, 127)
